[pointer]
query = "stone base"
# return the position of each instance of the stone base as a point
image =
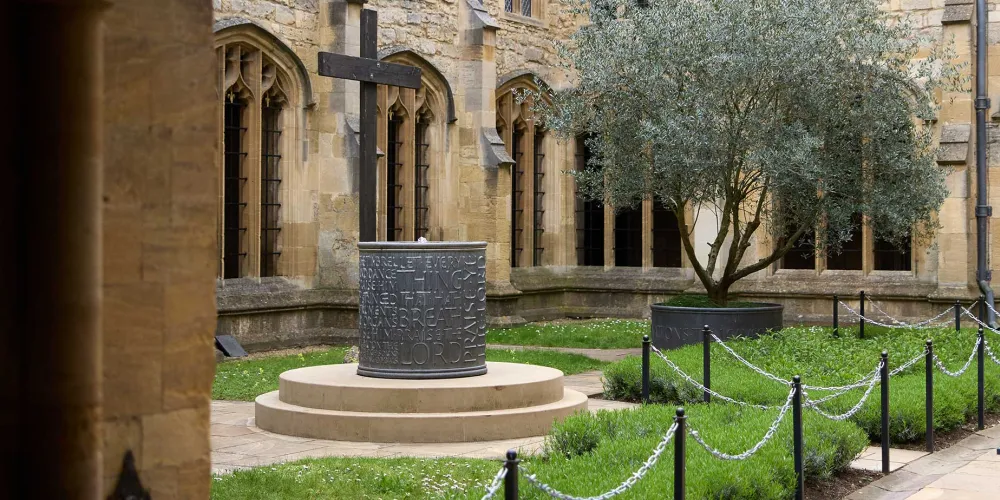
(333, 402)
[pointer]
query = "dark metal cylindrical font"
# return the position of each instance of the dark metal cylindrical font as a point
(981, 387)
(706, 368)
(510, 480)
(645, 369)
(679, 453)
(797, 437)
(422, 311)
(929, 395)
(884, 375)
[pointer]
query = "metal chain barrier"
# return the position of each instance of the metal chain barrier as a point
(494, 487)
(702, 387)
(901, 368)
(849, 413)
(628, 483)
(989, 352)
(990, 306)
(747, 454)
(903, 324)
(843, 388)
(976, 319)
(921, 324)
(968, 363)
(749, 364)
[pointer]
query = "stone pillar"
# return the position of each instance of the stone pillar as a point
(51, 314)
(484, 160)
(336, 148)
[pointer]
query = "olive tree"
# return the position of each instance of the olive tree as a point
(778, 117)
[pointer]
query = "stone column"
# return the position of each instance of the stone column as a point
(335, 138)
(484, 160)
(50, 352)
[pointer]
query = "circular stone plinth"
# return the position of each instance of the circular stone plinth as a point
(283, 418)
(340, 388)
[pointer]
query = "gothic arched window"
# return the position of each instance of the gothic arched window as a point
(256, 112)
(527, 143)
(411, 134)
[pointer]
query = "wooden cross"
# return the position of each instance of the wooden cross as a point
(371, 72)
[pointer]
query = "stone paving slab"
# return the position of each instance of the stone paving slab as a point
(589, 383)
(968, 470)
(871, 458)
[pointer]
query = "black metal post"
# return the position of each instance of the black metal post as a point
(982, 309)
(679, 453)
(958, 315)
(861, 324)
(706, 334)
(836, 310)
(929, 394)
(510, 480)
(982, 383)
(645, 369)
(797, 437)
(885, 412)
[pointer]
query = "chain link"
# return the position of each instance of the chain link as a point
(749, 364)
(849, 413)
(990, 306)
(903, 324)
(921, 324)
(747, 454)
(702, 387)
(494, 487)
(968, 362)
(976, 319)
(989, 352)
(628, 483)
(899, 369)
(761, 371)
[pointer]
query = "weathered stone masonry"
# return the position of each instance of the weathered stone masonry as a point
(473, 52)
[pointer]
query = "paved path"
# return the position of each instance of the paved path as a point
(600, 354)
(239, 444)
(968, 470)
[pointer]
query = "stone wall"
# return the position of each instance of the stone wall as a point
(315, 303)
(160, 210)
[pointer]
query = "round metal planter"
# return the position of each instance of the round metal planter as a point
(677, 326)
(422, 310)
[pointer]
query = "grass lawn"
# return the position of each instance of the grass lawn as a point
(594, 334)
(822, 359)
(245, 380)
(587, 455)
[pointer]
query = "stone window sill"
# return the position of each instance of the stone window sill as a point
(530, 21)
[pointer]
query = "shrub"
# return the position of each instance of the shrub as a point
(626, 438)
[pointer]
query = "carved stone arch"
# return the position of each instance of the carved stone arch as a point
(522, 78)
(436, 89)
(238, 29)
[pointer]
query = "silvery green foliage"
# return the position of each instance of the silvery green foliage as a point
(782, 115)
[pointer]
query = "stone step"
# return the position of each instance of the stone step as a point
(339, 387)
(276, 416)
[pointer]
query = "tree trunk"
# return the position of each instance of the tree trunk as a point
(719, 294)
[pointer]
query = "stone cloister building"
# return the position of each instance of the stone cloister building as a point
(462, 159)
